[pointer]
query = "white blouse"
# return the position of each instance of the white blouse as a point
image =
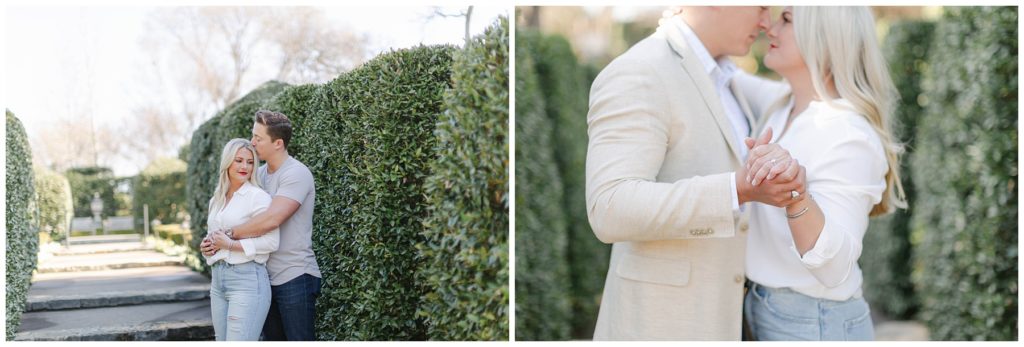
(846, 169)
(246, 203)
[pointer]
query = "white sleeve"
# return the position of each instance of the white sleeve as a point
(267, 243)
(848, 182)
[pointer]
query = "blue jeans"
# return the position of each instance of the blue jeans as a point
(239, 300)
(292, 310)
(781, 314)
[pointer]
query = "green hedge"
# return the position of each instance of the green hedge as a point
(887, 284)
(84, 182)
(53, 194)
(204, 158)
(565, 87)
(367, 229)
(22, 240)
(161, 185)
(542, 274)
(369, 138)
(965, 169)
(466, 247)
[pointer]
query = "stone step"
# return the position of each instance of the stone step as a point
(107, 261)
(82, 240)
(107, 247)
(64, 290)
(188, 320)
(119, 298)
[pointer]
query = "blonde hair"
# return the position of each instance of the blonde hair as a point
(223, 182)
(838, 43)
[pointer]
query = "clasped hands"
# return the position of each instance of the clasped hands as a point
(214, 242)
(770, 175)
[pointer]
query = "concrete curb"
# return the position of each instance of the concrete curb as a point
(161, 331)
(122, 298)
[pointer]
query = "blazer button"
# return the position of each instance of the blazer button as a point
(738, 278)
(744, 227)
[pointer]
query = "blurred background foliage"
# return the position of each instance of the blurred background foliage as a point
(949, 261)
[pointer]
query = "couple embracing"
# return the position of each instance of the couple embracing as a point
(265, 279)
(737, 205)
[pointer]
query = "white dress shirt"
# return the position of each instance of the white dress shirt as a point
(721, 72)
(246, 203)
(846, 169)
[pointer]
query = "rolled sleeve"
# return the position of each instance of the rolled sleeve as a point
(845, 186)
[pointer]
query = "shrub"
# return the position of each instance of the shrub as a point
(965, 169)
(53, 194)
(85, 182)
(161, 185)
(887, 272)
(383, 117)
(22, 240)
(565, 87)
(466, 233)
(542, 276)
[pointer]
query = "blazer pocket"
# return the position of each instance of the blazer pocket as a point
(673, 272)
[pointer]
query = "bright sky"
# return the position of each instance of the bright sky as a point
(45, 47)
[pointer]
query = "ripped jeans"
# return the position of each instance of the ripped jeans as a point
(239, 300)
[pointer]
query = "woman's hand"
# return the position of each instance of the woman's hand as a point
(766, 160)
(221, 240)
(207, 247)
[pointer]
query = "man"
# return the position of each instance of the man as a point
(666, 180)
(294, 273)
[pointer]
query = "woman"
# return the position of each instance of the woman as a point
(240, 292)
(802, 259)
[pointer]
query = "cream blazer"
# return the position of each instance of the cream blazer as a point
(659, 158)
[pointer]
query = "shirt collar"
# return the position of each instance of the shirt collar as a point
(725, 67)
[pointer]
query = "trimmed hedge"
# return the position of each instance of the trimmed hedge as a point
(887, 284)
(466, 248)
(369, 138)
(542, 271)
(367, 228)
(22, 240)
(204, 159)
(161, 185)
(84, 182)
(53, 194)
(565, 87)
(965, 169)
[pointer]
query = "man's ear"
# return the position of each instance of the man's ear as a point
(279, 143)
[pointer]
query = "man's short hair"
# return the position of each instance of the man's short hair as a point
(278, 125)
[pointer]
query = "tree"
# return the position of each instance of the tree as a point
(205, 58)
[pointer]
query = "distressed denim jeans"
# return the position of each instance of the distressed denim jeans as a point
(239, 300)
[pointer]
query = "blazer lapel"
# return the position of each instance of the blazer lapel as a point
(745, 106)
(691, 64)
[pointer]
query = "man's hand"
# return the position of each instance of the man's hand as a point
(208, 247)
(777, 192)
(780, 174)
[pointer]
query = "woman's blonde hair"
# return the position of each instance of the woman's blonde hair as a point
(220, 194)
(838, 43)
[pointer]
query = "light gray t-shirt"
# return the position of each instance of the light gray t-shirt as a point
(294, 255)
